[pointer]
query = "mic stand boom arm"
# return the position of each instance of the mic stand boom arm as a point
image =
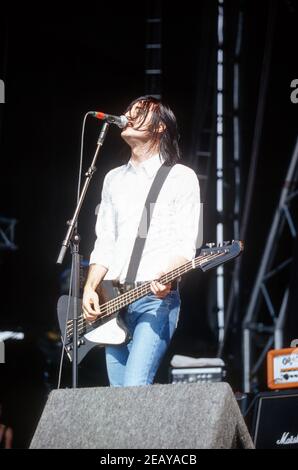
(72, 237)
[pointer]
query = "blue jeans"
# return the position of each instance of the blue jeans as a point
(151, 323)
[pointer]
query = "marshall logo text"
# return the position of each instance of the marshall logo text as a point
(286, 439)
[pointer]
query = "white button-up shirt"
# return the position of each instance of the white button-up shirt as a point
(174, 225)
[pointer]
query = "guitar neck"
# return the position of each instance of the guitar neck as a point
(124, 300)
(144, 289)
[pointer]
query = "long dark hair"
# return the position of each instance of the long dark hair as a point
(161, 114)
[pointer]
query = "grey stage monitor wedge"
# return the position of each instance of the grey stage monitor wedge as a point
(171, 416)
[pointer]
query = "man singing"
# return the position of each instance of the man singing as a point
(151, 133)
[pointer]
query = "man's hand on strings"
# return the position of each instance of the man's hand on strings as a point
(91, 309)
(160, 290)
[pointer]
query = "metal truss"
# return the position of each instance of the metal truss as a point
(255, 331)
(153, 68)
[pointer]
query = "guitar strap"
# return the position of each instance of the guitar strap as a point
(139, 244)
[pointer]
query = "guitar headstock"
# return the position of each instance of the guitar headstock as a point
(215, 255)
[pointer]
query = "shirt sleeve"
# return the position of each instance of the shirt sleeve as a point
(104, 228)
(187, 211)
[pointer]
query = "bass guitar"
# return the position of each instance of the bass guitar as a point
(109, 328)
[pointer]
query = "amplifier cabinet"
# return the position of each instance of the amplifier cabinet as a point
(276, 420)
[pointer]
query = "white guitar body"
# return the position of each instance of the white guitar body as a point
(108, 333)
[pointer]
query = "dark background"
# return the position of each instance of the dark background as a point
(56, 67)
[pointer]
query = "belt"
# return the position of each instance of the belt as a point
(126, 286)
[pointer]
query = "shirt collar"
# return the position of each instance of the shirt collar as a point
(150, 166)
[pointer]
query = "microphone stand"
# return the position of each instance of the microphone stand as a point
(72, 237)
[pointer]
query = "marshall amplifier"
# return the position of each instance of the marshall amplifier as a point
(276, 420)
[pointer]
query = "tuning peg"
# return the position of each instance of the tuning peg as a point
(210, 245)
(225, 243)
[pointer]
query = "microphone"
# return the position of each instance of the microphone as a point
(120, 121)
